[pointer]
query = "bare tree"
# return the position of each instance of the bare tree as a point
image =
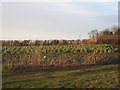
(93, 34)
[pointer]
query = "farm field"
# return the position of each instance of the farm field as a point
(58, 55)
(59, 44)
(67, 66)
(105, 76)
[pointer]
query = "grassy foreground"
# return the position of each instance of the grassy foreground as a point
(105, 76)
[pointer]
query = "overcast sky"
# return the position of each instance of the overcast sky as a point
(56, 20)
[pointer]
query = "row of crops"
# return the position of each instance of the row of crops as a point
(66, 54)
(59, 49)
(78, 49)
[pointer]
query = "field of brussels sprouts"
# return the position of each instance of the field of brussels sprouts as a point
(15, 57)
(66, 66)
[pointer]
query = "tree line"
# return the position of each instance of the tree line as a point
(107, 36)
(39, 42)
(93, 35)
(114, 30)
